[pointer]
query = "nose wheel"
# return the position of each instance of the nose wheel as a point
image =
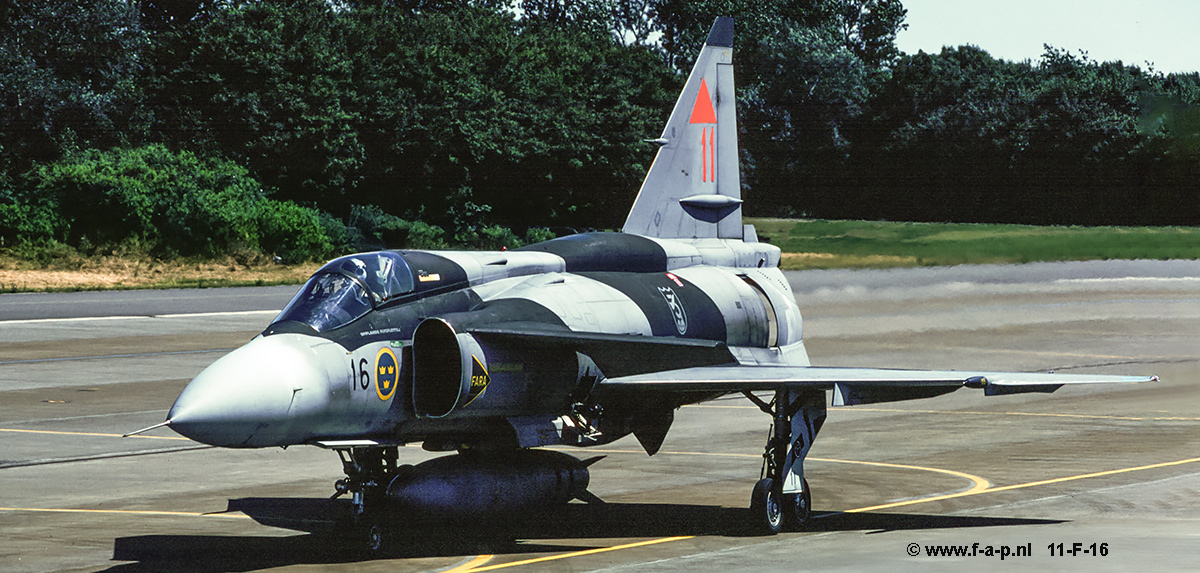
(369, 470)
(378, 538)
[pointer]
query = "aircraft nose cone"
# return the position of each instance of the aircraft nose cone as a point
(253, 396)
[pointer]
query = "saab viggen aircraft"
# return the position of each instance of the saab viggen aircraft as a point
(577, 341)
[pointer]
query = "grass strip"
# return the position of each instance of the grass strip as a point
(814, 244)
(806, 244)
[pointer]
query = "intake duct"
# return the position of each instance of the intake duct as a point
(448, 369)
(462, 373)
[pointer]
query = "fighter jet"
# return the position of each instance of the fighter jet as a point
(577, 341)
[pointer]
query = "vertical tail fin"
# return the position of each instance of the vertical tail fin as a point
(693, 188)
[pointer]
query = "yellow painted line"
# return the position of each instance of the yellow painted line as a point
(973, 413)
(91, 434)
(980, 413)
(1024, 485)
(111, 511)
(981, 484)
(978, 486)
(1093, 475)
(126, 512)
(582, 553)
(1032, 414)
(470, 565)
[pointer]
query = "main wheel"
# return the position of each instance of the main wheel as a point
(766, 511)
(799, 509)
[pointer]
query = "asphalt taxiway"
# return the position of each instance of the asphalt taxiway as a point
(1114, 469)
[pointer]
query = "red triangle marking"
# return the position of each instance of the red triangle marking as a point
(703, 112)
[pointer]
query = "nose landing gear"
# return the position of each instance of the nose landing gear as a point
(369, 470)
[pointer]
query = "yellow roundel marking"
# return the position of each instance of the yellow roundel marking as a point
(387, 373)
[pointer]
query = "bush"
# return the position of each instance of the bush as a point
(24, 226)
(422, 235)
(174, 203)
(369, 228)
(342, 239)
(379, 230)
(168, 203)
(291, 232)
(494, 238)
(537, 235)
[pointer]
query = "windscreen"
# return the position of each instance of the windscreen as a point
(327, 301)
(347, 288)
(386, 274)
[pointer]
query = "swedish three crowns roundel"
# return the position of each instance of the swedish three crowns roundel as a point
(387, 373)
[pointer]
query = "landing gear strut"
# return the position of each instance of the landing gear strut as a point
(781, 497)
(369, 470)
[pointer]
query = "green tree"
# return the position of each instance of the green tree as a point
(69, 78)
(810, 85)
(535, 120)
(962, 136)
(805, 69)
(869, 27)
(269, 84)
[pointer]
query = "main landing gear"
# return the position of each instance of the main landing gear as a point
(781, 498)
(369, 470)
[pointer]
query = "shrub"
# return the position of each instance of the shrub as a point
(379, 230)
(537, 235)
(422, 235)
(292, 232)
(24, 226)
(175, 203)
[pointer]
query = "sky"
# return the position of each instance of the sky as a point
(1164, 32)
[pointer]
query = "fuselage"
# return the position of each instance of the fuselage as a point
(346, 359)
(576, 341)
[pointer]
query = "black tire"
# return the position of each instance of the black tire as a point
(798, 509)
(766, 511)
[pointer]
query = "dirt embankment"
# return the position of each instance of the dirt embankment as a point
(115, 272)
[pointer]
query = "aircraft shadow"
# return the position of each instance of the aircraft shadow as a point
(886, 522)
(329, 541)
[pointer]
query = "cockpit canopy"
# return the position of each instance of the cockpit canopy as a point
(349, 287)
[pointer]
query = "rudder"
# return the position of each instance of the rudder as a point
(693, 188)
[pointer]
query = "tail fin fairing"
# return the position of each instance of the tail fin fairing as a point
(693, 188)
